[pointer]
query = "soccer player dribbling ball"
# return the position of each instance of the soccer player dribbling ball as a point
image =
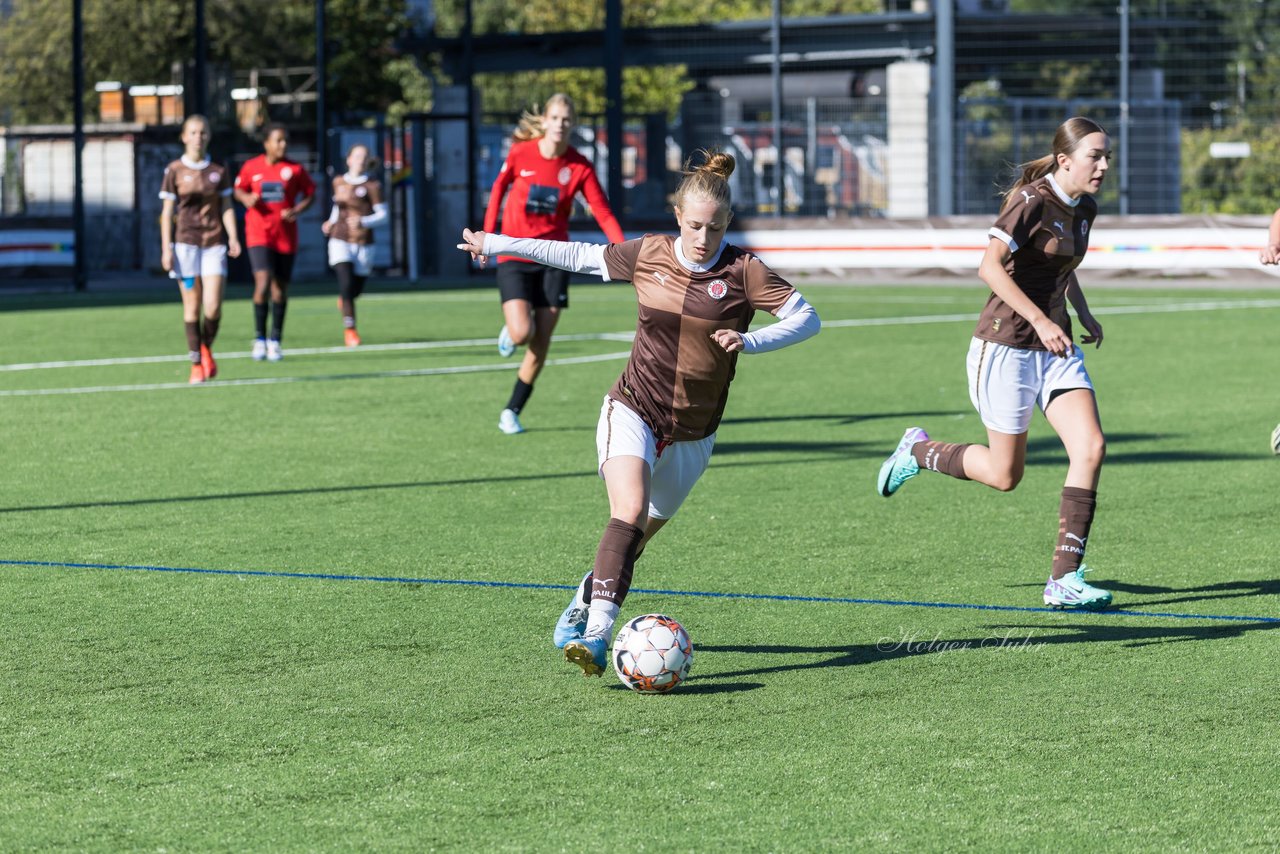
(357, 208)
(697, 295)
(195, 253)
(274, 191)
(1271, 255)
(1022, 355)
(540, 178)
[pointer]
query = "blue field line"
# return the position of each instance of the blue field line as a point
(706, 594)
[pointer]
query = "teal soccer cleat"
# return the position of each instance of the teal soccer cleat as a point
(591, 653)
(901, 466)
(572, 623)
(506, 346)
(1073, 592)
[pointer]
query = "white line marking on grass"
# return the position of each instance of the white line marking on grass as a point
(312, 351)
(372, 375)
(1149, 308)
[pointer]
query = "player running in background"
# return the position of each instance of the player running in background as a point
(540, 179)
(357, 208)
(269, 186)
(1271, 255)
(658, 423)
(196, 253)
(1022, 354)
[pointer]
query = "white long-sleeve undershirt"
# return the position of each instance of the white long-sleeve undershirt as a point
(796, 322)
(378, 217)
(562, 254)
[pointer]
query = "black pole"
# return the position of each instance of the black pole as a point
(200, 77)
(473, 121)
(322, 129)
(775, 39)
(613, 102)
(77, 193)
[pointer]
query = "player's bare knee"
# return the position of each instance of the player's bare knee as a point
(1090, 454)
(1007, 480)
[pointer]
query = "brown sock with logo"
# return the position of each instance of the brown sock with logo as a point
(942, 457)
(1075, 517)
(615, 561)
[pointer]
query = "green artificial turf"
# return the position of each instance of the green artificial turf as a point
(278, 703)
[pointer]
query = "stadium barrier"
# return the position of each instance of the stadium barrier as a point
(1177, 246)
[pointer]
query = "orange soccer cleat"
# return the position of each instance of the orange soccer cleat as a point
(207, 362)
(197, 373)
(351, 337)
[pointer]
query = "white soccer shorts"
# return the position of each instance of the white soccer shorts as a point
(1007, 383)
(359, 255)
(622, 433)
(190, 261)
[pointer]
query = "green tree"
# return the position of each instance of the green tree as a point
(141, 41)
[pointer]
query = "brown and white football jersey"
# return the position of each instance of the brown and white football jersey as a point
(1047, 237)
(354, 200)
(677, 378)
(197, 190)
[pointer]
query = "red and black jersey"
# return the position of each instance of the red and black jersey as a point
(277, 186)
(540, 192)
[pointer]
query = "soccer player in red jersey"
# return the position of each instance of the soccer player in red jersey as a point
(540, 178)
(357, 208)
(199, 190)
(697, 296)
(1022, 355)
(274, 191)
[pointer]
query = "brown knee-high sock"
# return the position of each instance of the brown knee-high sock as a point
(944, 457)
(615, 561)
(193, 339)
(210, 330)
(1075, 517)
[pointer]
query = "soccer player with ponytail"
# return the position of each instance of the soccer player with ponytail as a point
(697, 295)
(1022, 355)
(195, 254)
(540, 178)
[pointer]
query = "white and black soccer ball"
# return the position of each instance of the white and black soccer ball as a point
(1275, 440)
(652, 654)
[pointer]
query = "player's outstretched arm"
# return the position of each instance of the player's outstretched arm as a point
(562, 254)
(1270, 253)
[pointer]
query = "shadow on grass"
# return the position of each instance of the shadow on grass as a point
(445, 483)
(685, 689)
(1027, 639)
(1222, 590)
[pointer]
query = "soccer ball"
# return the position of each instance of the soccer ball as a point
(652, 654)
(1275, 440)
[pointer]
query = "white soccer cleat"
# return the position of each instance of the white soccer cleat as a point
(506, 346)
(259, 349)
(509, 422)
(274, 353)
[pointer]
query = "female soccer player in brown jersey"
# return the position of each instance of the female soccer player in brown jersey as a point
(196, 255)
(1022, 355)
(658, 423)
(1271, 255)
(357, 208)
(539, 179)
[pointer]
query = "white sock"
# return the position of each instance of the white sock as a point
(600, 618)
(581, 599)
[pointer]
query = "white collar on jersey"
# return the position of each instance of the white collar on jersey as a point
(355, 179)
(195, 164)
(1066, 200)
(698, 268)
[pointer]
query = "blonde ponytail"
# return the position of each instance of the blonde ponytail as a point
(710, 181)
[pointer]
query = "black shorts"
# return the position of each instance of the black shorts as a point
(542, 287)
(264, 259)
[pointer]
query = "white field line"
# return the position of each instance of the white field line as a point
(1207, 305)
(372, 375)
